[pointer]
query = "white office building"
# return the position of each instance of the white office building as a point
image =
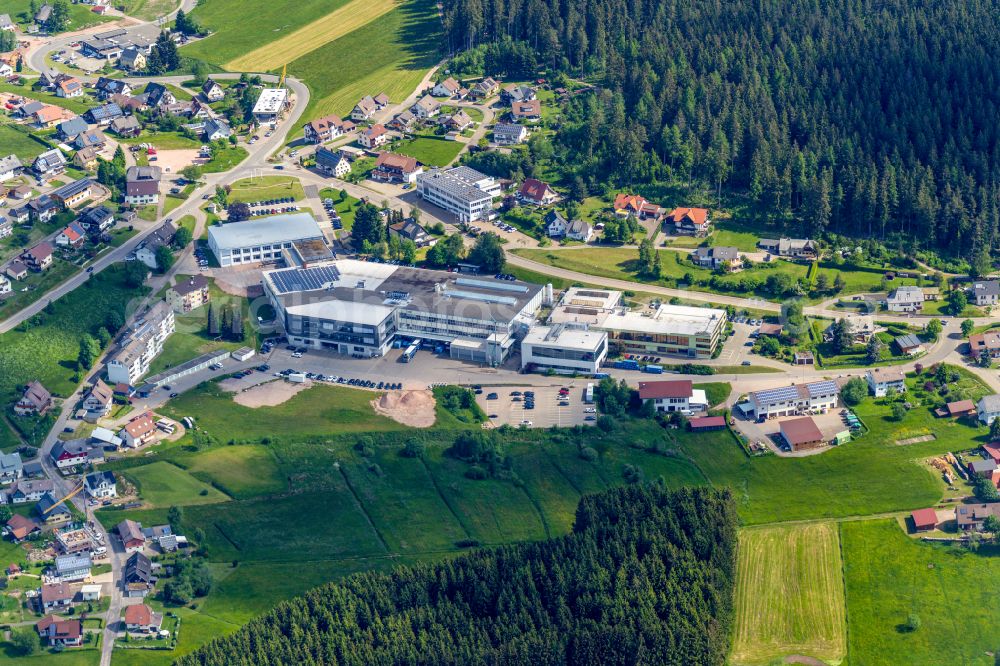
(270, 104)
(361, 308)
(262, 240)
(142, 345)
(463, 192)
(563, 349)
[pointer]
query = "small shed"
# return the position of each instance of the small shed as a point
(842, 437)
(707, 423)
(804, 357)
(243, 353)
(924, 520)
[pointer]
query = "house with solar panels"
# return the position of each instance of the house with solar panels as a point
(363, 308)
(814, 397)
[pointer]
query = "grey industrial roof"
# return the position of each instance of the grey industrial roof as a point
(908, 341)
(264, 231)
(454, 186)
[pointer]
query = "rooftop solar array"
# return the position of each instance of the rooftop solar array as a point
(822, 388)
(304, 279)
(494, 284)
(782, 394)
(486, 298)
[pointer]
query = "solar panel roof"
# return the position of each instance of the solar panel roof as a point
(304, 279)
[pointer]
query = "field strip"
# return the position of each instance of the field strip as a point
(310, 37)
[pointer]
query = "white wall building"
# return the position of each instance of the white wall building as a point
(988, 408)
(262, 240)
(464, 192)
(270, 104)
(905, 299)
(673, 396)
(139, 348)
(880, 380)
(563, 349)
(818, 396)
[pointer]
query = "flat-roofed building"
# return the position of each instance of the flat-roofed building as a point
(142, 345)
(261, 240)
(563, 349)
(462, 191)
(358, 307)
(270, 104)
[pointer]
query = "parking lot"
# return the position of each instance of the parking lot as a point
(511, 405)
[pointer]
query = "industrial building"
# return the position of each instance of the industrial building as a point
(364, 308)
(665, 330)
(462, 191)
(563, 349)
(270, 104)
(261, 240)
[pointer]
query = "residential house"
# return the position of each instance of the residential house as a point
(28, 109)
(140, 618)
(10, 167)
(6, 69)
(30, 490)
(403, 121)
(801, 434)
(163, 235)
(988, 408)
(130, 104)
(880, 380)
(35, 400)
(537, 193)
(332, 162)
(69, 129)
(426, 107)
(985, 293)
(132, 59)
(20, 215)
(689, 222)
(364, 109)
(70, 568)
(69, 453)
(909, 344)
(21, 527)
(39, 257)
(5, 286)
(142, 185)
(970, 517)
(106, 87)
(73, 193)
(139, 430)
(905, 299)
(409, 229)
(992, 451)
(156, 94)
(188, 295)
(860, 328)
(72, 236)
(105, 114)
(326, 128)
(130, 534)
(126, 127)
(43, 208)
(96, 219)
(6, 23)
(509, 134)
(557, 226)
(52, 511)
(373, 137)
(792, 248)
(6, 227)
(49, 164)
(485, 88)
(513, 93)
(216, 129)
(637, 206)
(137, 577)
(717, 258)
(673, 396)
(11, 467)
(98, 401)
(458, 122)
(57, 631)
(100, 485)
(529, 111)
(958, 409)
(47, 116)
(69, 87)
(212, 91)
(86, 159)
(55, 596)
(988, 342)
(447, 88)
(812, 397)
(393, 168)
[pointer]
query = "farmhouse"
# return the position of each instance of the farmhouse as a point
(144, 343)
(689, 221)
(462, 191)
(212, 91)
(393, 168)
(813, 397)
(364, 109)
(261, 240)
(326, 128)
(509, 134)
(140, 618)
(332, 162)
(563, 349)
(801, 433)
(673, 396)
(792, 248)
(142, 185)
(717, 258)
(880, 380)
(188, 295)
(130, 534)
(988, 408)
(35, 400)
(137, 577)
(59, 632)
(537, 193)
(100, 485)
(970, 517)
(905, 299)
(373, 137)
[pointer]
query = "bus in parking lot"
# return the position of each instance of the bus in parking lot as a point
(410, 352)
(588, 393)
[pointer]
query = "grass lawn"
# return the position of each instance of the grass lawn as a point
(429, 150)
(225, 159)
(27, 291)
(345, 207)
(170, 202)
(315, 412)
(163, 484)
(243, 471)
(78, 105)
(165, 141)
(147, 10)
(789, 594)
(408, 42)
(266, 187)
(889, 576)
(271, 21)
(22, 144)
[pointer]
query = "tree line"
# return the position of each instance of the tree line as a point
(645, 576)
(865, 118)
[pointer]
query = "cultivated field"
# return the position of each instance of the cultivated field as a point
(336, 24)
(790, 595)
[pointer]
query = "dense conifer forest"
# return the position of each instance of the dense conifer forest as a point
(871, 118)
(646, 576)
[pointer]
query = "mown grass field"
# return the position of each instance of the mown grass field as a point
(343, 20)
(408, 39)
(242, 471)
(20, 143)
(271, 21)
(889, 576)
(164, 484)
(266, 187)
(789, 594)
(429, 150)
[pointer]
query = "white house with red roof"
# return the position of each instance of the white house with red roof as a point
(688, 221)
(374, 136)
(57, 631)
(673, 396)
(139, 430)
(537, 192)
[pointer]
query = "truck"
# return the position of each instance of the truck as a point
(588, 393)
(297, 377)
(653, 369)
(410, 352)
(627, 364)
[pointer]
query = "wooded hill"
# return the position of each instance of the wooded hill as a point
(646, 576)
(872, 118)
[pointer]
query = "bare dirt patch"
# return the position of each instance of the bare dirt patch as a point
(270, 394)
(172, 161)
(411, 408)
(916, 440)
